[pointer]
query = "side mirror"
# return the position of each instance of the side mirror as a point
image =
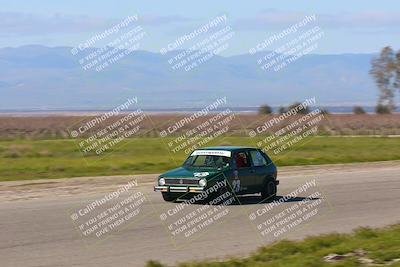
(223, 166)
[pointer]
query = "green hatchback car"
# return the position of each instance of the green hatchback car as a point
(241, 170)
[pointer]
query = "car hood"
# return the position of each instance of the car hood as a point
(183, 172)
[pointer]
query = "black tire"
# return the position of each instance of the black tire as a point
(269, 190)
(232, 194)
(221, 191)
(168, 197)
(211, 197)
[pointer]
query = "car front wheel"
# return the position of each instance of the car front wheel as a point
(269, 190)
(168, 197)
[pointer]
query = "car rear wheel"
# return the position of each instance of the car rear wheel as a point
(269, 190)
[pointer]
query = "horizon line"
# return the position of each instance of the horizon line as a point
(177, 50)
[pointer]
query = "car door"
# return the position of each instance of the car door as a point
(243, 175)
(260, 166)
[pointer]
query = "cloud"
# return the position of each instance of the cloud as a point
(15, 24)
(367, 20)
(30, 24)
(271, 19)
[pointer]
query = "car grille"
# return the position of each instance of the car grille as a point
(181, 181)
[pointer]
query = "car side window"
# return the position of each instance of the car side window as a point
(242, 160)
(257, 158)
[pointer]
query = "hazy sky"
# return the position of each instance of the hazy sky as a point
(349, 26)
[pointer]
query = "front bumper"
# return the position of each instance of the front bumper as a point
(178, 189)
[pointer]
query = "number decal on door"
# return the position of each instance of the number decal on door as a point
(236, 185)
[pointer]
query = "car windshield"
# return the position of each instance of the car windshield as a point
(210, 161)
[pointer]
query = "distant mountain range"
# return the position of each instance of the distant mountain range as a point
(39, 77)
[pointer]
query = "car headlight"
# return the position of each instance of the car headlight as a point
(161, 181)
(203, 182)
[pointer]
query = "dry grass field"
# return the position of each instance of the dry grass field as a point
(59, 126)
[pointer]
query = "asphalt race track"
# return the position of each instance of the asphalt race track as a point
(37, 228)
